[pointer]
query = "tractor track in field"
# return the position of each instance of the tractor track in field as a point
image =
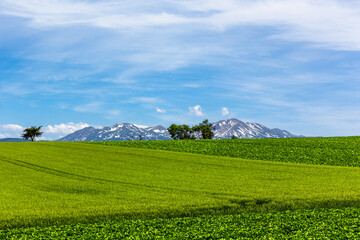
(68, 175)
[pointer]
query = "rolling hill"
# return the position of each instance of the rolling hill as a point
(52, 183)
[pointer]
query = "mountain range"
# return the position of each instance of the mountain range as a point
(224, 129)
(119, 132)
(12, 140)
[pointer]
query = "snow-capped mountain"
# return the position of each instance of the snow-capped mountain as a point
(119, 132)
(126, 131)
(234, 127)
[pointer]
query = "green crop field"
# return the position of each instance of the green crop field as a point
(298, 224)
(336, 151)
(126, 190)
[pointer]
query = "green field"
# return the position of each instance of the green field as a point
(335, 151)
(298, 224)
(132, 190)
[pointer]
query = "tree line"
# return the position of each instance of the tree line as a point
(203, 130)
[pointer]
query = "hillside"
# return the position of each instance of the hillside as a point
(337, 151)
(50, 183)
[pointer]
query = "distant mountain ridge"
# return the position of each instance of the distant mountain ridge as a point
(12, 140)
(119, 132)
(224, 129)
(233, 127)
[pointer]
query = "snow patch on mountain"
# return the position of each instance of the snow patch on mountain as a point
(233, 127)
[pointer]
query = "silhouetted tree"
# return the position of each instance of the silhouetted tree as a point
(31, 133)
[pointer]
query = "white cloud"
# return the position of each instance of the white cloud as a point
(63, 129)
(225, 111)
(11, 131)
(159, 110)
(196, 110)
(11, 127)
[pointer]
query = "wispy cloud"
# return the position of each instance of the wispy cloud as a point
(92, 107)
(100, 108)
(328, 23)
(151, 100)
(107, 14)
(191, 85)
(17, 89)
(332, 24)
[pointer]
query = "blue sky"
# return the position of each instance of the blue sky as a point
(288, 64)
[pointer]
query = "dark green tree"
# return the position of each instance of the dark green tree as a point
(179, 132)
(204, 129)
(233, 137)
(31, 133)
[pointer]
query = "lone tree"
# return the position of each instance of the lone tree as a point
(32, 133)
(179, 132)
(205, 129)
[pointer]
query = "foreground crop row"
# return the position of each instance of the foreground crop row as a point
(299, 224)
(337, 151)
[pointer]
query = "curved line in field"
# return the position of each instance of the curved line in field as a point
(68, 175)
(148, 156)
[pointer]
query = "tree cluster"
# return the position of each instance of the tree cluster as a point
(203, 130)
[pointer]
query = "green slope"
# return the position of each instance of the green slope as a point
(48, 183)
(336, 151)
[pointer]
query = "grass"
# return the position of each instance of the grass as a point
(335, 151)
(54, 183)
(298, 224)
